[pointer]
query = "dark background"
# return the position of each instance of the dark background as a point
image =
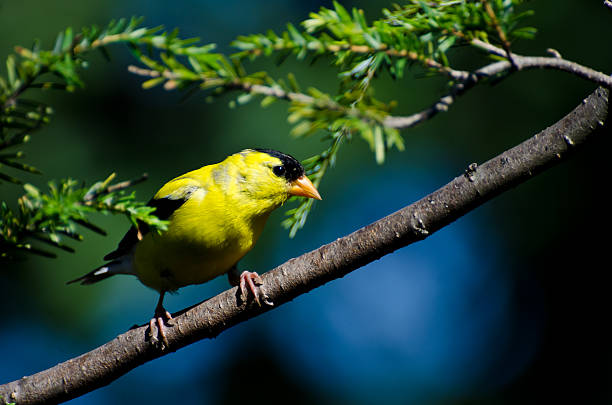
(507, 305)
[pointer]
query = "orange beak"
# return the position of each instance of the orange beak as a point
(304, 187)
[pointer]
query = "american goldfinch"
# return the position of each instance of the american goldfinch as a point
(216, 214)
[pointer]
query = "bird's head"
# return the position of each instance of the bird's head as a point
(272, 176)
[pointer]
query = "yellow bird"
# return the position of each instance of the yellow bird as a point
(216, 214)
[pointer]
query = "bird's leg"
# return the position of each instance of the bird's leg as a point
(161, 316)
(253, 280)
(249, 279)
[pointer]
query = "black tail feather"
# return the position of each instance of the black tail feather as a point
(96, 275)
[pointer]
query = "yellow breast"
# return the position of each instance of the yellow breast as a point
(206, 237)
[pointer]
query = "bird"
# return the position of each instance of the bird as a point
(215, 216)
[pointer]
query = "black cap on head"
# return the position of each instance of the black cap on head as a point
(292, 168)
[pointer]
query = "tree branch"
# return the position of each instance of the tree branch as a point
(541, 62)
(519, 62)
(302, 274)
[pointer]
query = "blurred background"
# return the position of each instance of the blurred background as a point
(507, 305)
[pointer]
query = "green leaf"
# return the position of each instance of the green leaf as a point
(9, 179)
(59, 42)
(394, 139)
(21, 166)
(372, 41)
(244, 98)
(295, 87)
(267, 101)
(525, 33)
(359, 18)
(152, 82)
(301, 129)
(342, 13)
(11, 71)
(295, 35)
(379, 145)
(397, 69)
(67, 40)
(195, 64)
(446, 44)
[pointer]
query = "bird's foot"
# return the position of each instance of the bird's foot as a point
(160, 319)
(252, 281)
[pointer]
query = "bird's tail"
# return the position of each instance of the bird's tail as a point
(103, 272)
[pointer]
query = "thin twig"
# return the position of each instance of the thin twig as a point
(395, 53)
(116, 187)
(492, 70)
(541, 62)
(403, 53)
(235, 84)
(143, 72)
(442, 105)
(127, 183)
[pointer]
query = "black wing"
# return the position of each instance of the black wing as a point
(164, 207)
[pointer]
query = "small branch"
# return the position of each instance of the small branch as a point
(495, 69)
(415, 222)
(106, 40)
(556, 62)
(115, 187)
(447, 100)
(439, 106)
(554, 53)
(541, 62)
(235, 84)
(281, 94)
(126, 184)
(395, 53)
(142, 71)
(403, 53)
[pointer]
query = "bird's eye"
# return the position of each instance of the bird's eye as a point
(278, 170)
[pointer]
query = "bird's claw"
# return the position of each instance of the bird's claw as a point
(253, 282)
(161, 318)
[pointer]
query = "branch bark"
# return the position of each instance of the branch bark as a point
(297, 276)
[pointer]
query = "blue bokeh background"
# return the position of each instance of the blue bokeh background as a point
(506, 305)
